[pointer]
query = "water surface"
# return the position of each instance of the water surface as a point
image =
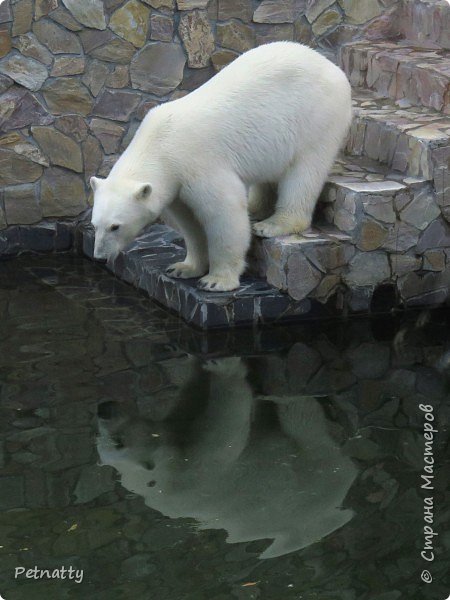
(168, 464)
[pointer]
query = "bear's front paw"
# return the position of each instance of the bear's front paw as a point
(218, 283)
(184, 270)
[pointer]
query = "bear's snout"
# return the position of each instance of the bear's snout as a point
(100, 257)
(100, 253)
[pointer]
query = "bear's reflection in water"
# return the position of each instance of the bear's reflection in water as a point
(211, 455)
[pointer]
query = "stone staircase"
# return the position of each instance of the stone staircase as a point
(382, 220)
(381, 235)
(408, 75)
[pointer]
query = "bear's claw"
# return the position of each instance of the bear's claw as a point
(215, 283)
(183, 270)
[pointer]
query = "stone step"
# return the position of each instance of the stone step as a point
(414, 141)
(370, 204)
(323, 267)
(303, 266)
(374, 229)
(426, 22)
(408, 75)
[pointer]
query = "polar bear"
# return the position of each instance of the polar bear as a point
(276, 116)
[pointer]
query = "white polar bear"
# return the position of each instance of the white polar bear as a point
(277, 115)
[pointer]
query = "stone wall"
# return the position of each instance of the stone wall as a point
(78, 76)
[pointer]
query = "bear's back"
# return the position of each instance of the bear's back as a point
(271, 66)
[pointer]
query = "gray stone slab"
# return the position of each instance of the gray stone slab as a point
(143, 265)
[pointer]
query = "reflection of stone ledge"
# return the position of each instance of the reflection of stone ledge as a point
(46, 236)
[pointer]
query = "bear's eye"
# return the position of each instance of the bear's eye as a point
(114, 227)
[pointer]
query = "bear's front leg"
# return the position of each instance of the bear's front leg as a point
(221, 207)
(181, 218)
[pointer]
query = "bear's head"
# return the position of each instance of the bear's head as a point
(121, 210)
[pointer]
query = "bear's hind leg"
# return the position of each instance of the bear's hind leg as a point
(261, 200)
(221, 207)
(183, 220)
(298, 191)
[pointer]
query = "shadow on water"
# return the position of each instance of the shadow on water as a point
(282, 463)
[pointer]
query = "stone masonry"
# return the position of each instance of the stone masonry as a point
(77, 77)
(389, 194)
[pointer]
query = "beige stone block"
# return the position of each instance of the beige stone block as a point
(196, 34)
(67, 65)
(371, 235)
(316, 8)
(160, 4)
(361, 11)
(67, 95)
(56, 38)
(131, 22)
(16, 169)
(108, 133)
(25, 71)
(63, 194)
(115, 51)
(158, 68)
(21, 205)
(161, 27)
(5, 40)
(235, 36)
(22, 16)
(275, 11)
(93, 156)
(222, 58)
(235, 9)
(88, 12)
(29, 45)
(61, 149)
(327, 21)
(192, 4)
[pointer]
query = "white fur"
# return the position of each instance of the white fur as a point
(278, 114)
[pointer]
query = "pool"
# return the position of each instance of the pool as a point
(143, 459)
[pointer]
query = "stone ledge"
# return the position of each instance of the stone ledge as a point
(304, 265)
(369, 204)
(256, 302)
(408, 75)
(320, 274)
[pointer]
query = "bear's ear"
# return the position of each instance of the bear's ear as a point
(94, 181)
(143, 191)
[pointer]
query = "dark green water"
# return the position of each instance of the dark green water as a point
(165, 464)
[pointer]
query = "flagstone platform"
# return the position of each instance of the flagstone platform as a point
(256, 302)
